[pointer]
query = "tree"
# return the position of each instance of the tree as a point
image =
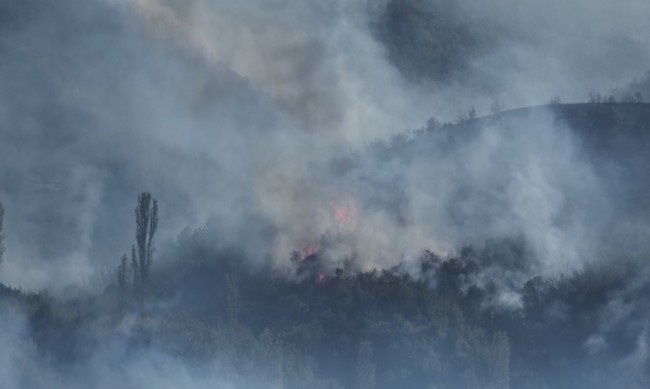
(2, 238)
(595, 98)
(134, 266)
(638, 97)
(466, 116)
(471, 113)
(121, 272)
(433, 124)
(497, 107)
(146, 220)
(234, 305)
(498, 359)
(365, 367)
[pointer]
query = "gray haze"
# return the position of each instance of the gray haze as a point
(259, 118)
(235, 111)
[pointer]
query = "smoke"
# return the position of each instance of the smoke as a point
(114, 363)
(519, 53)
(275, 123)
(255, 115)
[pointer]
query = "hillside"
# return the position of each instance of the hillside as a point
(486, 315)
(220, 194)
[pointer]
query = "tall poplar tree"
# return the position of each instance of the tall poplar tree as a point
(146, 220)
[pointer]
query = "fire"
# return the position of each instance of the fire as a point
(322, 278)
(308, 250)
(345, 222)
(345, 215)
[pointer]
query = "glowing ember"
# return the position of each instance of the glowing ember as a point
(308, 250)
(321, 278)
(345, 216)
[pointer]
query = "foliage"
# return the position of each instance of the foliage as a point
(369, 329)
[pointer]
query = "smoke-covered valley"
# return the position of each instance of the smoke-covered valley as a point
(350, 193)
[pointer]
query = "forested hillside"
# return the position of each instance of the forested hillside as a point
(383, 194)
(477, 318)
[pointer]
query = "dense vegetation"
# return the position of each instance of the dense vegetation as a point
(377, 329)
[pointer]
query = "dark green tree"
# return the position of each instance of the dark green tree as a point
(146, 220)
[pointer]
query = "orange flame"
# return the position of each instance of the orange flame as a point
(322, 278)
(308, 250)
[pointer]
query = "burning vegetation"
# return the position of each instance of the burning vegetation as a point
(345, 215)
(311, 257)
(308, 250)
